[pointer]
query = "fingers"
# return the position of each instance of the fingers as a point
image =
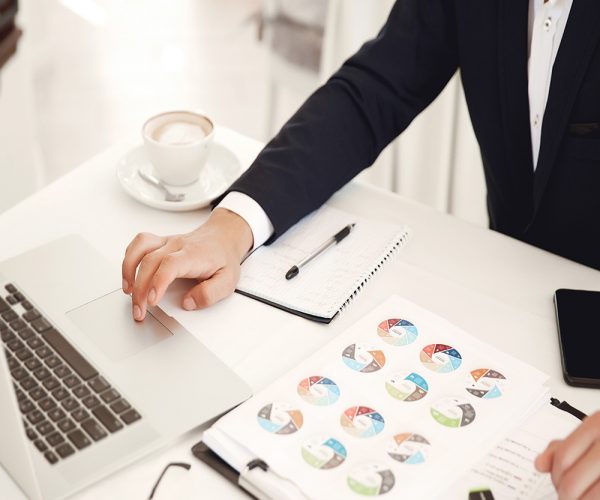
(139, 247)
(581, 476)
(209, 292)
(172, 266)
(575, 446)
(158, 269)
(208, 254)
(593, 493)
(543, 462)
(148, 266)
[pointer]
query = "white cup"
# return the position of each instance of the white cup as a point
(178, 143)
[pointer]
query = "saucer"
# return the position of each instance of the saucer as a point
(219, 172)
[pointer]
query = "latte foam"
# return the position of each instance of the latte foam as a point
(178, 133)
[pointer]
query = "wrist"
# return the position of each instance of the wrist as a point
(234, 228)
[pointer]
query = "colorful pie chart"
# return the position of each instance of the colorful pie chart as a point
(440, 358)
(319, 391)
(409, 448)
(323, 452)
(397, 332)
(453, 412)
(363, 358)
(280, 418)
(362, 421)
(486, 384)
(371, 479)
(411, 387)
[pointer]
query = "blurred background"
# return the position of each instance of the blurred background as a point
(87, 73)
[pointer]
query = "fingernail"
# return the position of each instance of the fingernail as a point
(125, 285)
(189, 304)
(152, 296)
(137, 312)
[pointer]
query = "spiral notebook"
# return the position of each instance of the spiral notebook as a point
(326, 285)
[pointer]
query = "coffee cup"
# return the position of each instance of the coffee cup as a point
(178, 144)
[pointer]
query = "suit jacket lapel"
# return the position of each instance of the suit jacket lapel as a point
(514, 100)
(580, 38)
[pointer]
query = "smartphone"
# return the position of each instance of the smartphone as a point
(578, 319)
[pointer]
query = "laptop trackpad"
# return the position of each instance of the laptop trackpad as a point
(108, 322)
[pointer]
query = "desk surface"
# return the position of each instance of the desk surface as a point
(494, 287)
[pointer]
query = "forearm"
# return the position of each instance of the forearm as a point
(344, 125)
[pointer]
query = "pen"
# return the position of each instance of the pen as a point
(334, 240)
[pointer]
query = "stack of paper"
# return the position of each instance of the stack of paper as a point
(402, 402)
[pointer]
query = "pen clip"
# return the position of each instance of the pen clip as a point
(563, 405)
(265, 484)
(257, 462)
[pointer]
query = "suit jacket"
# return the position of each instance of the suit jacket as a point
(373, 97)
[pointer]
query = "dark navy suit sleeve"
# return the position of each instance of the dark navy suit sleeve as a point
(345, 124)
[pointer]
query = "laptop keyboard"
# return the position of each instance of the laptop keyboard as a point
(67, 405)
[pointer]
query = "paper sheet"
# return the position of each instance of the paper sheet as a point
(508, 471)
(402, 401)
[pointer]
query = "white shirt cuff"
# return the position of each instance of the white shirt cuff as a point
(252, 213)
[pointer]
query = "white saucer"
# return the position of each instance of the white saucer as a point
(221, 169)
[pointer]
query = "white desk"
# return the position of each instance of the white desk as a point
(490, 285)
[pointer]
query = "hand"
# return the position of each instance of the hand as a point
(575, 462)
(211, 254)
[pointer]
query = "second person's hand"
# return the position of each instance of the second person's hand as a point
(574, 462)
(211, 254)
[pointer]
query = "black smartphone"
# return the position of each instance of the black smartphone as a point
(578, 318)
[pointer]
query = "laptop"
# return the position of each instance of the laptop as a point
(84, 389)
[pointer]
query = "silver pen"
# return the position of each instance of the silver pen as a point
(334, 240)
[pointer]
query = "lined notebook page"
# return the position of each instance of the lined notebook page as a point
(325, 285)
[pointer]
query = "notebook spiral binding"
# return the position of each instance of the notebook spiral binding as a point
(390, 252)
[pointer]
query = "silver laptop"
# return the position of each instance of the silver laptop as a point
(84, 389)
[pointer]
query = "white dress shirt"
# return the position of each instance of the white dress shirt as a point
(547, 21)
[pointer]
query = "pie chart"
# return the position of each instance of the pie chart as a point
(362, 421)
(397, 332)
(440, 358)
(363, 358)
(323, 452)
(411, 387)
(453, 412)
(319, 391)
(371, 479)
(280, 418)
(408, 448)
(486, 384)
